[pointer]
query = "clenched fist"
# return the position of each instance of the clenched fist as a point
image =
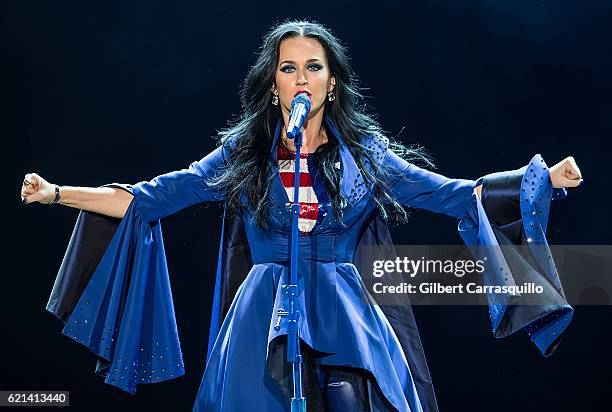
(565, 174)
(37, 189)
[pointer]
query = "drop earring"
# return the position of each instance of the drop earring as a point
(275, 99)
(331, 96)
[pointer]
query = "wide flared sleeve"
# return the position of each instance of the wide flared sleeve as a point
(508, 229)
(113, 289)
(168, 193)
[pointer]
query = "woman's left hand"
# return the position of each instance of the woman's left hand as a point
(565, 174)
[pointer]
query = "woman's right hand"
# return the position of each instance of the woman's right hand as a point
(37, 189)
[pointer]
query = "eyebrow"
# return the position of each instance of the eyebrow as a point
(292, 62)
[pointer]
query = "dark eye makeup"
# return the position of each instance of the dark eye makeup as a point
(289, 68)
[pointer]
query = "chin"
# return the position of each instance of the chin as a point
(314, 109)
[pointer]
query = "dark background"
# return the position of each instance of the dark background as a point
(123, 91)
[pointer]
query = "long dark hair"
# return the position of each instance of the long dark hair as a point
(248, 171)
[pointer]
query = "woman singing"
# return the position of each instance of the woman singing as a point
(113, 289)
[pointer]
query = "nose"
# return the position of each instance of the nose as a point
(301, 80)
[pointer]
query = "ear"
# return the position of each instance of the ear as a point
(332, 84)
(273, 89)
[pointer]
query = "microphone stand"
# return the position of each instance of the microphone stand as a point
(294, 356)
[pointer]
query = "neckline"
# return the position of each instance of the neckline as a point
(285, 150)
(319, 148)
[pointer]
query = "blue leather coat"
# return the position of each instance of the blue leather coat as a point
(113, 290)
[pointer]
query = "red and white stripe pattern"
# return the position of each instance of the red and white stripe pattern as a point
(309, 204)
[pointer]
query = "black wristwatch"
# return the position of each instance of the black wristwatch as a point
(57, 195)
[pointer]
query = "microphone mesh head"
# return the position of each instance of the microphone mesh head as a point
(303, 99)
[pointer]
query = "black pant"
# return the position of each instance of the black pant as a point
(326, 388)
(343, 390)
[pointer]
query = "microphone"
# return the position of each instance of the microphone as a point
(300, 106)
